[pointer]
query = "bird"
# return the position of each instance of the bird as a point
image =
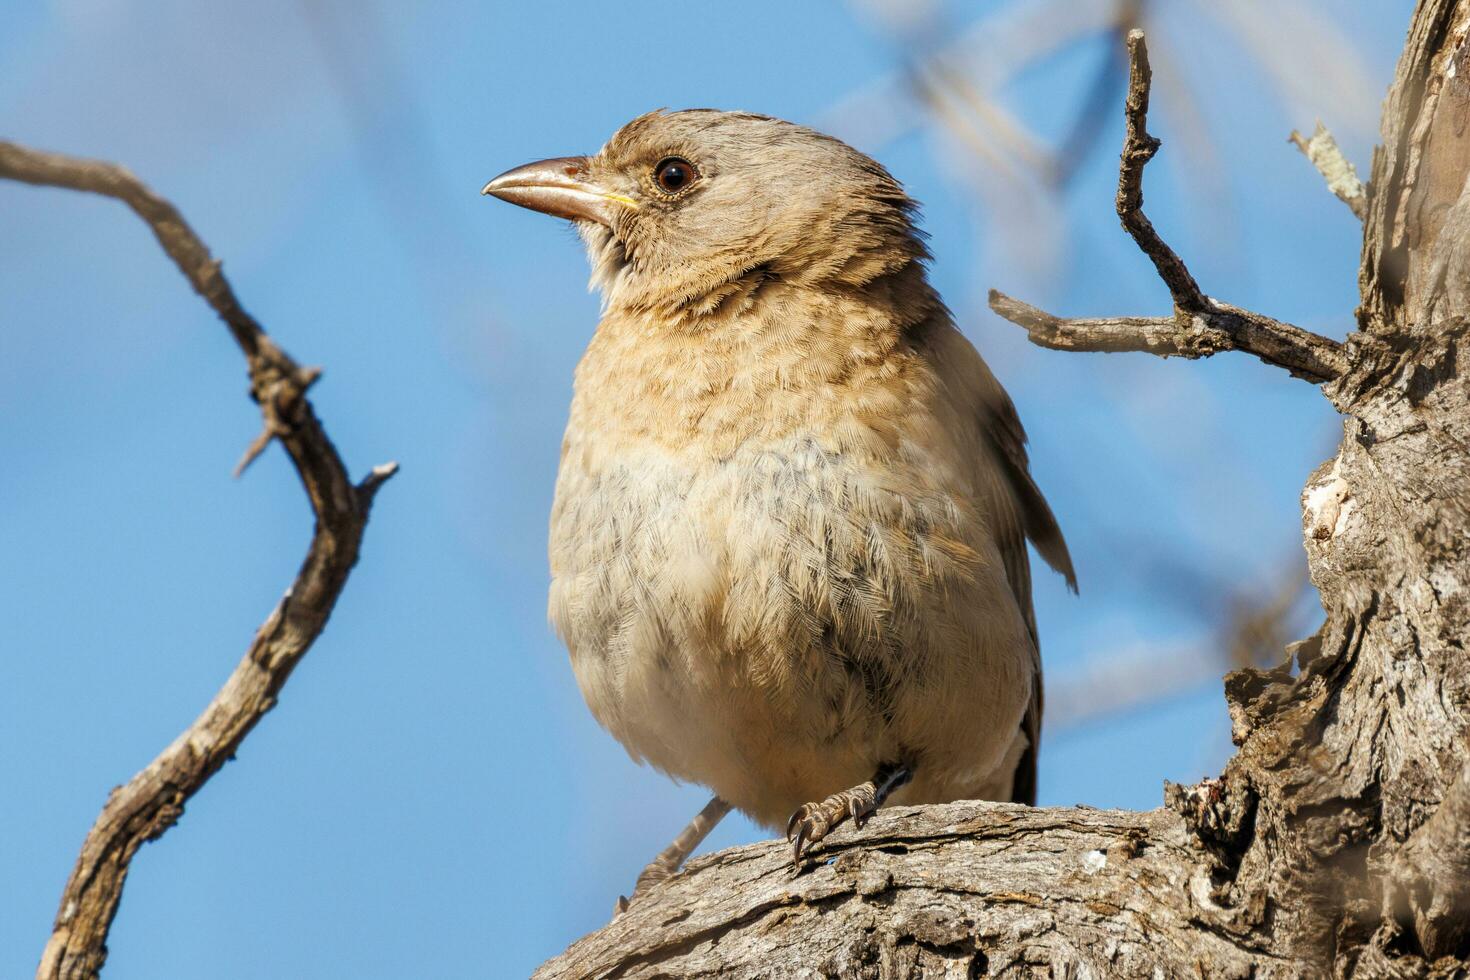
(788, 540)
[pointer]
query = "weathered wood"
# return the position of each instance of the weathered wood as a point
(962, 890)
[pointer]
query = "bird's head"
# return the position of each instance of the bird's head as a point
(680, 207)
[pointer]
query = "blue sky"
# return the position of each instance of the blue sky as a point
(431, 791)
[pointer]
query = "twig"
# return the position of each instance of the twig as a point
(1159, 335)
(1138, 149)
(154, 799)
(273, 426)
(1340, 174)
(1200, 326)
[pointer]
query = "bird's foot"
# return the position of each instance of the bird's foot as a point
(671, 858)
(813, 821)
(659, 869)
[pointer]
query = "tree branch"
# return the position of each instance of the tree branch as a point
(957, 890)
(1186, 334)
(154, 799)
(1200, 325)
(1340, 174)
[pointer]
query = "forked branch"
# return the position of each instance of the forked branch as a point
(153, 800)
(1200, 326)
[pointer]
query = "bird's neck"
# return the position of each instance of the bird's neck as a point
(764, 359)
(734, 284)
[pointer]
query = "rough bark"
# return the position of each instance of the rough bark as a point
(1337, 841)
(963, 890)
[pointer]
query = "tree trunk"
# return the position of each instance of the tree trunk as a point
(1337, 841)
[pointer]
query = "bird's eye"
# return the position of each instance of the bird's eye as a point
(674, 174)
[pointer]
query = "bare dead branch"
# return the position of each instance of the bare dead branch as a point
(1121, 683)
(1186, 334)
(1255, 628)
(1200, 326)
(1138, 149)
(1113, 334)
(1340, 174)
(154, 799)
(272, 426)
(938, 101)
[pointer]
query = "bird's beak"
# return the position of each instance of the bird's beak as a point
(561, 187)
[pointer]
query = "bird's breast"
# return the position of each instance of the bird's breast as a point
(776, 561)
(823, 369)
(777, 482)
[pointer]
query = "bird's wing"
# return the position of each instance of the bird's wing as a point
(1002, 427)
(1018, 511)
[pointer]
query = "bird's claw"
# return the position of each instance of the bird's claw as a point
(797, 816)
(807, 825)
(813, 821)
